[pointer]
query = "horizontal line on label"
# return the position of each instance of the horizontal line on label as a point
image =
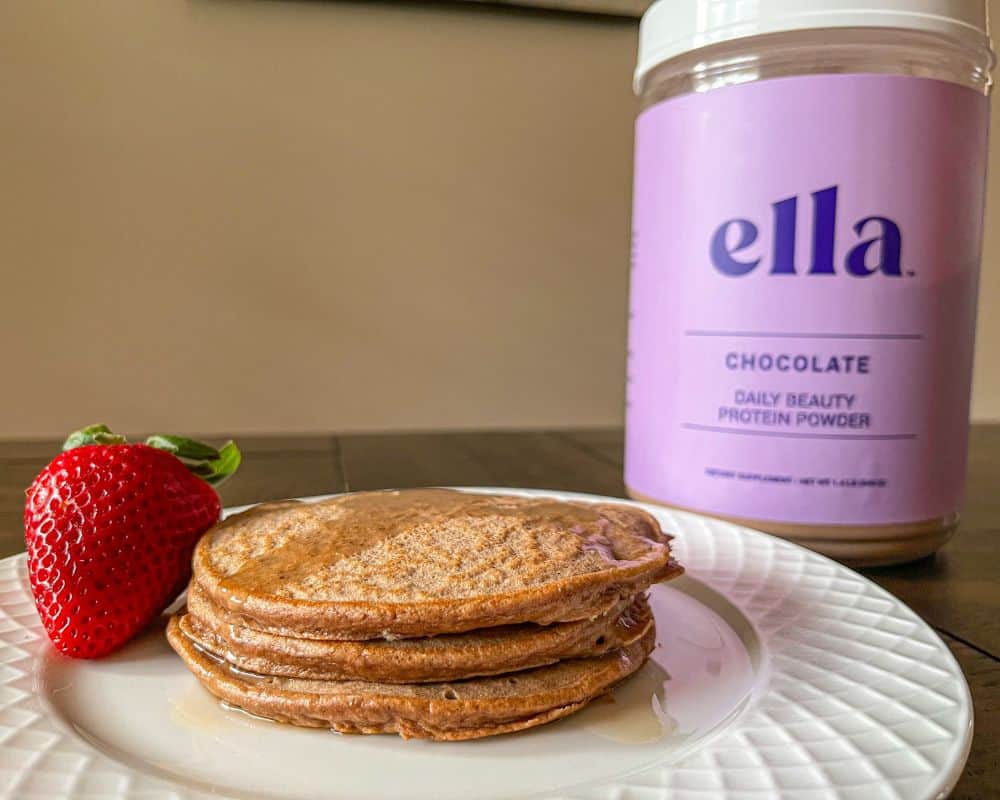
(869, 437)
(909, 337)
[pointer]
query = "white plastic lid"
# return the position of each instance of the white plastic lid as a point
(672, 27)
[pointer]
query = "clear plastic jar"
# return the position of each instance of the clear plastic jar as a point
(808, 197)
(830, 51)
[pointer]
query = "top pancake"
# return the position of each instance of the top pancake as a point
(427, 561)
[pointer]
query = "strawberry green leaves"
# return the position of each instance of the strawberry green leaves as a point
(215, 470)
(183, 448)
(210, 464)
(92, 434)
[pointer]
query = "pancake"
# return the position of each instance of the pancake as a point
(445, 711)
(490, 651)
(424, 562)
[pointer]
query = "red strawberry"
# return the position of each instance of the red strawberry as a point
(110, 528)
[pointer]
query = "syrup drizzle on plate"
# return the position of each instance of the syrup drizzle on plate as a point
(635, 712)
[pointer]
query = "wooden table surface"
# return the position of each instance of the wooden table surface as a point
(957, 592)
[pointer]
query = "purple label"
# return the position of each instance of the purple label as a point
(805, 268)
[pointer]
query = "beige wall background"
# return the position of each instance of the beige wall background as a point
(248, 215)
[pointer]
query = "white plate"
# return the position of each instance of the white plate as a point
(778, 673)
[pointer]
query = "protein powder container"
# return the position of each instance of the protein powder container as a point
(807, 231)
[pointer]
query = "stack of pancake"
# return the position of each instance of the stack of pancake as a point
(428, 613)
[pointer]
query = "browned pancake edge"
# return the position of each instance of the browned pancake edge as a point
(600, 554)
(447, 711)
(489, 651)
